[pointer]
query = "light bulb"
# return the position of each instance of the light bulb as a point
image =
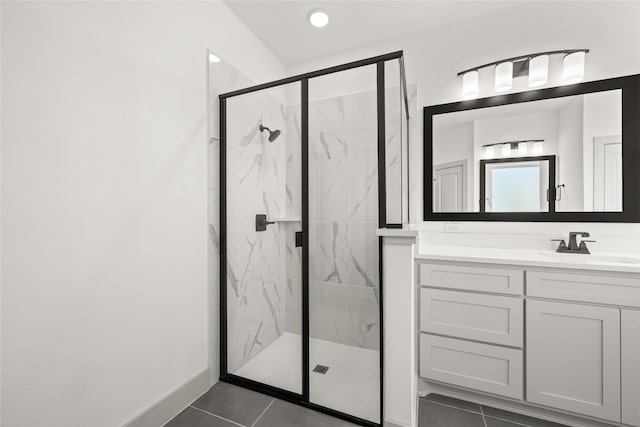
(538, 70)
(506, 149)
(213, 58)
(537, 147)
(522, 148)
(573, 68)
(489, 152)
(318, 18)
(504, 76)
(470, 85)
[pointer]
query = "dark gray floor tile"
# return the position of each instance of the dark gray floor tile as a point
(191, 417)
(435, 415)
(233, 403)
(462, 404)
(494, 422)
(285, 414)
(517, 418)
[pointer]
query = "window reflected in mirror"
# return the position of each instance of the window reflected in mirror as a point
(517, 185)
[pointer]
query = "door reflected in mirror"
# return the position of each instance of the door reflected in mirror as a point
(517, 185)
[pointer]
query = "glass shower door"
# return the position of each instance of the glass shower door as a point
(344, 297)
(263, 215)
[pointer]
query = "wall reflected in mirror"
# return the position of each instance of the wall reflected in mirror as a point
(496, 159)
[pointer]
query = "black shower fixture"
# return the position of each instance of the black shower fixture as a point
(273, 134)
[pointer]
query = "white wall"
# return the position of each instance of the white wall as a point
(433, 58)
(104, 227)
(602, 117)
(456, 143)
(513, 128)
(570, 164)
(608, 28)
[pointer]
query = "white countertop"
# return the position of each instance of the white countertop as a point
(628, 263)
(396, 232)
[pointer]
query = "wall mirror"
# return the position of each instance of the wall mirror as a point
(569, 153)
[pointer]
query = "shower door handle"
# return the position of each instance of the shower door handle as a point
(261, 222)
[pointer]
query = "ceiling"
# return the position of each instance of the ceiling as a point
(283, 26)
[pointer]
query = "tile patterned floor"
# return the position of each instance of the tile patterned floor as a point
(225, 405)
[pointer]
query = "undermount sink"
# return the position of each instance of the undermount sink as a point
(590, 258)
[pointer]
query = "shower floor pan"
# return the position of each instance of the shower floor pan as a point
(351, 384)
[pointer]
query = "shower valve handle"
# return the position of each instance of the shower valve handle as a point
(261, 222)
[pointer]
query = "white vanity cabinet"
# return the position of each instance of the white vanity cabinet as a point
(631, 367)
(468, 338)
(573, 358)
(563, 343)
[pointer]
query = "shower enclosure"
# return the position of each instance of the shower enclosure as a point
(310, 167)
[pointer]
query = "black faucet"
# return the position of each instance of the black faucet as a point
(573, 247)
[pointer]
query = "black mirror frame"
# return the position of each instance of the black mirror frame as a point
(630, 86)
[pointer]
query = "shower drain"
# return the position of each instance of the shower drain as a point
(321, 369)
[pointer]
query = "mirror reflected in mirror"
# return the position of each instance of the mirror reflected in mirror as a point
(582, 132)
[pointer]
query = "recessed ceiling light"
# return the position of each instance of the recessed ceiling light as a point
(318, 18)
(213, 58)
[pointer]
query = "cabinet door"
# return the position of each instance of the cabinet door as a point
(631, 367)
(573, 358)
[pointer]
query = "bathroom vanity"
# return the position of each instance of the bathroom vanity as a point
(547, 334)
(556, 336)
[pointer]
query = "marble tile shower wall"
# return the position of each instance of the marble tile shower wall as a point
(293, 317)
(264, 269)
(256, 260)
(343, 213)
(222, 78)
(397, 158)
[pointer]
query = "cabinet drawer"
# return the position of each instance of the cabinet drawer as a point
(489, 318)
(484, 279)
(623, 291)
(481, 367)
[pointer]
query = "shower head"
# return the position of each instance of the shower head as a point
(273, 134)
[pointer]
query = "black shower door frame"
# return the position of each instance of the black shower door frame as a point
(303, 79)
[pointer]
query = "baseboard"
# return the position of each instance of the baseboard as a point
(388, 423)
(173, 403)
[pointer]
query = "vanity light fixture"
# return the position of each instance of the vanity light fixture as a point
(509, 148)
(318, 18)
(534, 65)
